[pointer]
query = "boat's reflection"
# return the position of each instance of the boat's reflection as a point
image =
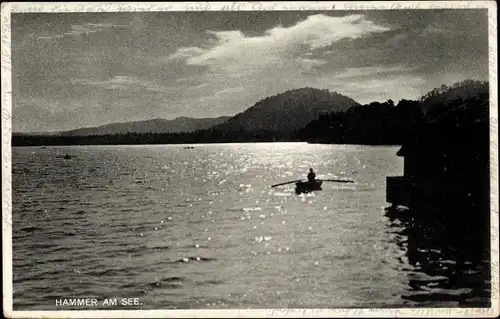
(449, 261)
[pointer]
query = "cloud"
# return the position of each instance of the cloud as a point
(310, 64)
(91, 28)
(279, 59)
(83, 29)
(433, 29)
(123, 82)
(381, 89)
(186, 52)
(317, 31)
(398, 40)
(364, 72)
(320, 31)
(376, 83)
(71, 73)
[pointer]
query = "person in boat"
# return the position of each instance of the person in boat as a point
(311, 177)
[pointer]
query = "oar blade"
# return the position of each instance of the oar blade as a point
(290, 182)
(338, 180)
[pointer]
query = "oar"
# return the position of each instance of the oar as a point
(298, 180)
(337, 180)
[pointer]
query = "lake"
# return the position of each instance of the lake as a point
(202, 228)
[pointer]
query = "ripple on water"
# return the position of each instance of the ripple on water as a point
(72, 235)
(186, 260)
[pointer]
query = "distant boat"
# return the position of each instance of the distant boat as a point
(306, 187)
(67, 156)
(188, 147)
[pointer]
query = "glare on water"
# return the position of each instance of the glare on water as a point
(198, 228)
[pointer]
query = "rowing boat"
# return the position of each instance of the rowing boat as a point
(306, 187)
(302, 186)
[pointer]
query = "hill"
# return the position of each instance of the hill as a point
(180, 124)
(308, 115)
(288, 111)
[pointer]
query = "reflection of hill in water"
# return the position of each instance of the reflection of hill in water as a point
(450, 265)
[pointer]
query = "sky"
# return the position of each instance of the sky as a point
(72, 70)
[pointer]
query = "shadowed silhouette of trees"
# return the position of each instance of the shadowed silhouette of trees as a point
(388, 124)
(371, 124)
(439, 99)
(201, 136)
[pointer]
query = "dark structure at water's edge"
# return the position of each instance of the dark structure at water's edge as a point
(443, 199)
(444, 166)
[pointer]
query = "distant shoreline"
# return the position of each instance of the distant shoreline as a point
(189, 144)
(383, 124)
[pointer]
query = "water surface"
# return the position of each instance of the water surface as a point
(202, 228)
